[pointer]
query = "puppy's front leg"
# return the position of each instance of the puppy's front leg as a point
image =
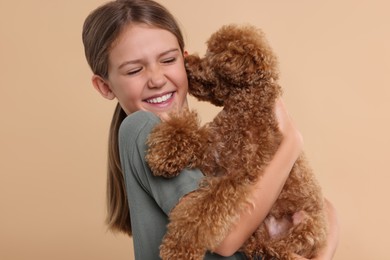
(175, 144)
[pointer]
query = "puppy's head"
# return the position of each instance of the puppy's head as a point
(237, 57)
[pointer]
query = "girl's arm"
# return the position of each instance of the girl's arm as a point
(268, 187)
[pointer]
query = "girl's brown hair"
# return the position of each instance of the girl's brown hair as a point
(101, 28)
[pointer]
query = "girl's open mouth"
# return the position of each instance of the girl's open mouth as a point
(159, 100)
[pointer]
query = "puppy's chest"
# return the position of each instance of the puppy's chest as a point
(241, 137)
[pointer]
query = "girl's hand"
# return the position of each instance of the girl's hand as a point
(287, 126)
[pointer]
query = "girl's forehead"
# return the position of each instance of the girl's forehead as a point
(139, 34)
(141, 42)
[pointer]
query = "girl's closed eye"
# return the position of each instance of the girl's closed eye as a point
(134, 71)
(169, 60)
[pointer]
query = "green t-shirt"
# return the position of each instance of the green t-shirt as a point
(150, 198)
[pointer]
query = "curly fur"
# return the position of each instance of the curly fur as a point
(240, 73)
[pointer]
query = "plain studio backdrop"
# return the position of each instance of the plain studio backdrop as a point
(334, 59)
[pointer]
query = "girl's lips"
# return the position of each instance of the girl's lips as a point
(159, 100)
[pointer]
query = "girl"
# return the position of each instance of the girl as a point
(136, 52)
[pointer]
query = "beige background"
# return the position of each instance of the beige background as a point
(335, 63)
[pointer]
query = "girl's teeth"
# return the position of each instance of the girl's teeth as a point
(159, 99)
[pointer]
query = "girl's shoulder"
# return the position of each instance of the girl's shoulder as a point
(139, 118)
(140, 122)
(135, 129)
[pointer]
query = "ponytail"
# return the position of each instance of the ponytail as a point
(118, 214)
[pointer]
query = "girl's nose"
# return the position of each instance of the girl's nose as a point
(157, 78)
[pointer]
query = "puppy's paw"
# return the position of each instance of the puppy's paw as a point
(174, 144)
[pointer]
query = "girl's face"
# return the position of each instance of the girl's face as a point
(146, 71)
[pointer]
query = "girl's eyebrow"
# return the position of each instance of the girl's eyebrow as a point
(138, 60)
(169, 51)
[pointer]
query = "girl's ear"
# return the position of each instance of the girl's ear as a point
(102, 87)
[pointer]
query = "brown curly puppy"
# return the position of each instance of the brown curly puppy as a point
(238, 72)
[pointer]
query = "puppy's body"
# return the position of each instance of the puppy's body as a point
(238, 72)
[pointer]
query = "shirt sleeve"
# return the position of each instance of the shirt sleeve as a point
(166, 192)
